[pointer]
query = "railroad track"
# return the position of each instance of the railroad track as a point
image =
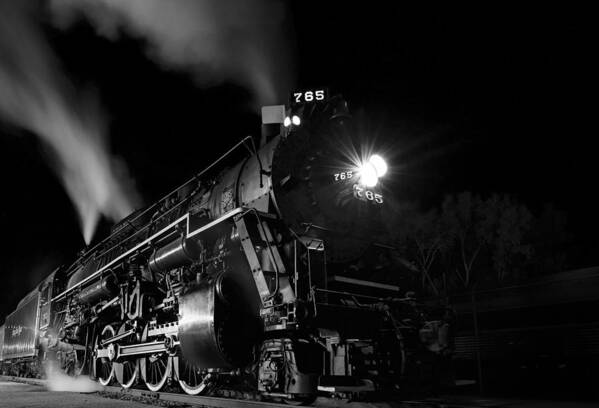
(220, 402)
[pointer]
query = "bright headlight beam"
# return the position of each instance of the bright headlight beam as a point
(368, 175)
(296, 120)
(379, 164)
(372, 170)
(287, 121)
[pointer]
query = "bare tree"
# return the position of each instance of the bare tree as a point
(463, 217)
(496, 227)
(422, 237)
(512, 222)
(551, 239)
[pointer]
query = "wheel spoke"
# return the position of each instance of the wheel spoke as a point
(126, 372)
(155, 369)
(104, 370)
(190, 379)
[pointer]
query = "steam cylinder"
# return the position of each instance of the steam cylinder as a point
(175, 254)
(104, 288)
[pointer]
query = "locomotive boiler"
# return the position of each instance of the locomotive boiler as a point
(225, 282)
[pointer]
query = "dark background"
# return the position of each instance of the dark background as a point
(493, 100)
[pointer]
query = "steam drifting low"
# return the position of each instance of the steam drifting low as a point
(57, 380)
(36, 96)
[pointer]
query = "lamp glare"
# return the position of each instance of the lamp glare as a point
(379, 164)
(368, 175)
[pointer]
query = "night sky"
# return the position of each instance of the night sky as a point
(493, 100)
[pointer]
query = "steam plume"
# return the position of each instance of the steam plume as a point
(240, 41)
(36, 96)
(57, 380)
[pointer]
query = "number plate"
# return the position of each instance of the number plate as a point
(344, 175)
(309, 96)
(364, 194)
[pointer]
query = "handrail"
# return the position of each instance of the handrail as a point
(270, 250)
(120, 257)
(153, 206)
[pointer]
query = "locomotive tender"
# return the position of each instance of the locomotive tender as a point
(224, 282)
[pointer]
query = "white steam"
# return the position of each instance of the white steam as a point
(237, 41)
(36, 95)
(240, 41)
(57, 380)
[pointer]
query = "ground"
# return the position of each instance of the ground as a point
(16, 395)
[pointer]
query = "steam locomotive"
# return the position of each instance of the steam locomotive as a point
(228, 281)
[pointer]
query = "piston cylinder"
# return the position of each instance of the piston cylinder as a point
(175, 254)
(102, 289)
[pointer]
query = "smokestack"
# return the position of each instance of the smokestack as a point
(272, 122)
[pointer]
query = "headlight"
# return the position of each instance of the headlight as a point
(379, 164)
(372, 170)
(368, 175)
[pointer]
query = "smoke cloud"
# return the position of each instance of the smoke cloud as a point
(239, 41)
(36, 95)
(58, 380)
(236, 41)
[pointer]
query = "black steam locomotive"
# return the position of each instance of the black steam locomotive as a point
(229, 280)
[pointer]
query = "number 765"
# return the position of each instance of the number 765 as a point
(309, 96)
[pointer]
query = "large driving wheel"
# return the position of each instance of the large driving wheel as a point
(127, 371)
(103, 366)
(72, 362)
(155, 368)
(81, 365)
(191, 379)
(83, 354)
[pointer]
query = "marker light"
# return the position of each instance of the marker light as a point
(368, 175)
(296, 120)
(379, 164)
(287, 121)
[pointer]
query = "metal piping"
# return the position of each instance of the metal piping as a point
(153, 206)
